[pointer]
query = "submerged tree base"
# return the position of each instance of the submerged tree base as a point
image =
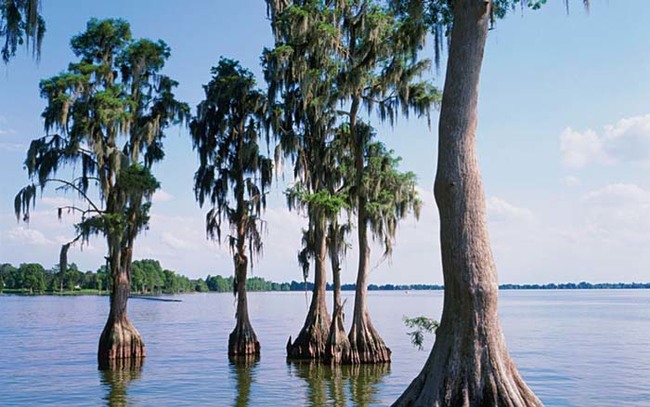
(467, 373)
(366, 346)
(337, 349)
(120, 346)
(243, 342)
(311, 341)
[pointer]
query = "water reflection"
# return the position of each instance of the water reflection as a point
(243, 369)
(340, 385)
(116, 381)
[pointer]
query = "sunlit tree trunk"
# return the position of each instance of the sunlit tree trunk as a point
(120, 344)
(366, 345)
(311, 341)
(469, 364)
(338, 345)
(242, 340)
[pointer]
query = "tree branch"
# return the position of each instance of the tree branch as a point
(76, 188)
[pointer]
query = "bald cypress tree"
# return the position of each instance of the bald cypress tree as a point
(469, 364)
(233, 177)
(363, 59)
(105, 117)
(300, 73)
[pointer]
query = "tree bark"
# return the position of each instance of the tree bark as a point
(469, 364)
(366, 345)
(311, 341)
(337, 349)
(120, 344)
(242, 340)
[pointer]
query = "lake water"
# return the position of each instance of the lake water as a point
(574, 348)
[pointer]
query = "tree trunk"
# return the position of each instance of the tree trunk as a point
(120, 344)
(365, 343)
(242, 340)
(469, 364)
(311, 341)
(337, 349)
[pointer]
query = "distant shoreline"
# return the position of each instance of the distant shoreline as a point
(299, 287)
(149, 278)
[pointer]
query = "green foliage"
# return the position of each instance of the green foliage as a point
(420, 326)
(331, 60)
(29, 276)
(226, 284)
(233, 175)
(148, 277)
(390, 195)
(20, 24)
(200, 286)
(105, 117)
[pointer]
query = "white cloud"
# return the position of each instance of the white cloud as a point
(12, 147)
(629, 139)
(162, 196)
(55, 202)
(3, 127)
(571, 181)
(626, 141)
(581, 149)
(174, 242)
(27, 236)
(618, 213)
(500, 210)
(618, 194)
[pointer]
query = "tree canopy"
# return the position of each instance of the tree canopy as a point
(233, 174)
(105, 118)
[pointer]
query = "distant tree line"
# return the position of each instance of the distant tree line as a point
(148, 277)
(583, 285)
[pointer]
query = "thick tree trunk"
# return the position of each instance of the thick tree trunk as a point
(120, 344)
(469, 364)
(337, 349)
(242, 340)
(311, 341)
(366, 346)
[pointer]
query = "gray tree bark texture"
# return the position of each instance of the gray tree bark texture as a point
(312, 339)
(469, 364)
(337, 349)
(366, 345)
(242, 340)
(120, 344)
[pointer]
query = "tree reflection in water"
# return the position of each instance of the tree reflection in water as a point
(243, 368)
(116, 378)
(356, 385)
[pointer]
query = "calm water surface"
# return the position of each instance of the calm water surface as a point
(574, 348)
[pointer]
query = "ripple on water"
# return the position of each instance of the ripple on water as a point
(574, 348)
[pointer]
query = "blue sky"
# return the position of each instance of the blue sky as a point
(564, 145)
